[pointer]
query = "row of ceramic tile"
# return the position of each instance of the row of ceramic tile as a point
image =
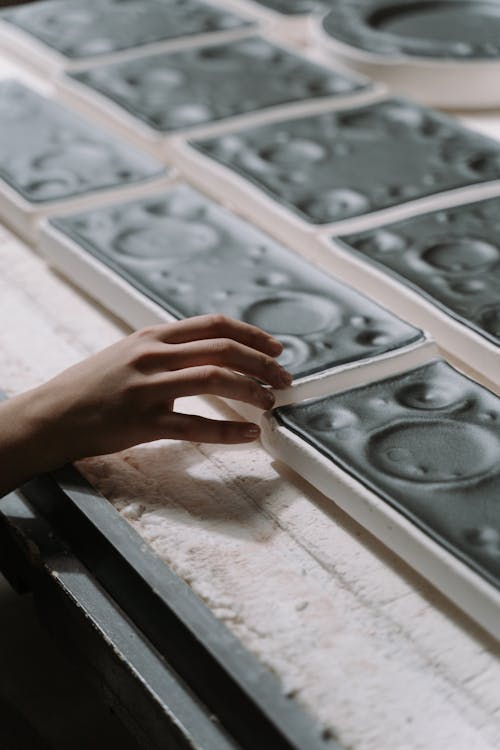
(445, 55)
(440, 269)
(404, 443)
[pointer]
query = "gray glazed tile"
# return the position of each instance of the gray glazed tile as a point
(97, 27)
(337, 165)
(208, 83)
(47, 153)
(454, 29)
(192, 257)
(427, 442)
(452, 257)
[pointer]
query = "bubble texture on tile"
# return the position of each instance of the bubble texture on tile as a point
(192, 257)
(47, 153)
(337, 165)
(295, 7)
(101, 27)
(427, 442)
(452, 29)
(451, 257)
(208, 83)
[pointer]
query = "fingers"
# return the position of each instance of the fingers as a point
(219, 326)
(214, 381)
(202, 430)
(223, 353)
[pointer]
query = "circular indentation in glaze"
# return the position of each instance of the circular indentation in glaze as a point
(382, 241)
(486, 537)
(373, 338)
(468, 286)
(430, 396)
(292, 152)
(337, 204)
(80, 156)
(163, 78)
(95, 46)
(435, 451)
(273, 278)
(337, 419)
(294, 313)
(490, 320)
(295, 352)
(188, 114)
(461, 254)
(167, 238)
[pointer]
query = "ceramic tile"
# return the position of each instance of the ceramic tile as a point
(204, 84)
(329, 167)
(191, 257)
(428, 443)
(48, 154)
(451, 257)
(101, 27)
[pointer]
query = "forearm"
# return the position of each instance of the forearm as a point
(27, 443)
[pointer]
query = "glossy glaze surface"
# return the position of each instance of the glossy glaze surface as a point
(100, 27)
(428, 442)
(47, 153)
(192, 257)
(453, 29)
(294, 7)
(205, 84)
(451, 257)
(333, 166)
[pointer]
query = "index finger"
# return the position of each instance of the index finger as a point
(219, 326)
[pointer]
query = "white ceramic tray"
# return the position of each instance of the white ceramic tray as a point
(30, 49)
(103, 92)
(418, 536)
(443, 69)
(123, 292)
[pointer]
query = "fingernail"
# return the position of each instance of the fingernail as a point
(285, 377)
(276, 345)
(268, 399)
(251, 431)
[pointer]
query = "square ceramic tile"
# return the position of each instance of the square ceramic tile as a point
(416, 459)
(346, 169)
(51, 159)
(59, 34)
(448, 264)
(185, 256)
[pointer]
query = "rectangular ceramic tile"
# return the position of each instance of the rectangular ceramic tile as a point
(59, 34)
(185, 255)
(346, 169)
(442, 271)
(416, 459)
(205, 86)
(52, 160)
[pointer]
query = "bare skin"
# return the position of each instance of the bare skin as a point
(125, 395)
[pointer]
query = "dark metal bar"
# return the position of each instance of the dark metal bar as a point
(227, 680)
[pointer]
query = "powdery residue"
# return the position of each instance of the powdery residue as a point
(273, 566)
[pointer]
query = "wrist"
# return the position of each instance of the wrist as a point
(29, 444)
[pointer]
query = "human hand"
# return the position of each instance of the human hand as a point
(126, 393)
